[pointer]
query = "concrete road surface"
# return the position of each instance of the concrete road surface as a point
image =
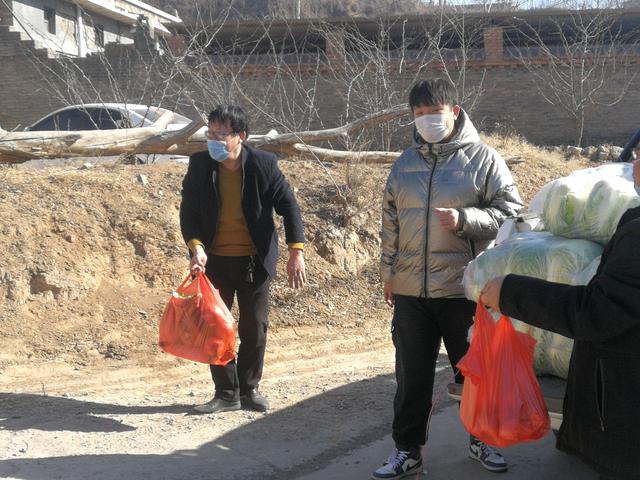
(446, 458)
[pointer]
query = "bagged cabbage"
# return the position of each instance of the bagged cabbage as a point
(585, 275)
(588, 203)
(535, 254)
(552, 353)
(545, 256)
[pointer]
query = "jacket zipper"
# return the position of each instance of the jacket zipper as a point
(428, 216)
(600, 385)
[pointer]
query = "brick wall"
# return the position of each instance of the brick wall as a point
(493, 44)
(33, 85)
(334, 48)
(511, 99)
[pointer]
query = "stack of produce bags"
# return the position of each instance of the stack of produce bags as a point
(580, 213)
(588, 203)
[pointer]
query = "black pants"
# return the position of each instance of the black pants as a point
(418, 326)
(229, 276)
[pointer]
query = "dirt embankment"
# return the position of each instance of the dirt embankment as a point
(88, 256)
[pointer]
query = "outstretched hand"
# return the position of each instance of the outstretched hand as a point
(296, 272)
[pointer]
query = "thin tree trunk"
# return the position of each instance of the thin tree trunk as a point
(579, 128)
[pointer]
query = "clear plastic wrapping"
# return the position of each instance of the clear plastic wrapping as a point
(588, 203)
(545, 256)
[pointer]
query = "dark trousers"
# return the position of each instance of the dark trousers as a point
(229, 276)
(417, 328)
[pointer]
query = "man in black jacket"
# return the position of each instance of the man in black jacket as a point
(601, 420)
(226, 216)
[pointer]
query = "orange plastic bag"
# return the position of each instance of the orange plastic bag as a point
(197, 325)
(501, 399)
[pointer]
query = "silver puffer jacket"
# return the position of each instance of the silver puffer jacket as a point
(419, 257)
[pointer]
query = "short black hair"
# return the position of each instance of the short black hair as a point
(234, 115)
(434, 91)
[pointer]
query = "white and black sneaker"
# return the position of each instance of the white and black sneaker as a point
(400, 463)
(488, 456)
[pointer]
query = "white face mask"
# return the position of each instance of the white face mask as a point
(432, 127)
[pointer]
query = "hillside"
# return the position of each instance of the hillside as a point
(189, 11)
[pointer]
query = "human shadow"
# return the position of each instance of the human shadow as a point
(21, 411)
(284, 444)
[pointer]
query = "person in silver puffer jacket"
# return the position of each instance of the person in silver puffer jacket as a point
(444, 201)
(420, 257)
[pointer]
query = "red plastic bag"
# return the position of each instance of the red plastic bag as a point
(501, 399)
(197, 325)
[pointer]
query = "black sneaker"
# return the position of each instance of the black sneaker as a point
(400, 463)
(217, 405)
(488, 456)
(254, 400)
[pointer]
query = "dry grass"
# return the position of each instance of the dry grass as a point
(541, 165)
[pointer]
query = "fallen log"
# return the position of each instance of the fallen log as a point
(18, 147)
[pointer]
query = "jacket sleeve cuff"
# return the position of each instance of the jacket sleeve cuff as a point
(462, 221)
(296, 246)
(193, 243)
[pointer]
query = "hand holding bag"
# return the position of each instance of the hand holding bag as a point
(197, 325)
(502, 403)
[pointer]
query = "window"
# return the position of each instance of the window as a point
(50, 20)
(80, 118)
(75, 119)
(98, 31)
(149, 113)
(108, 119)
(46, 124)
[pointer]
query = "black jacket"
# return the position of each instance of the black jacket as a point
(264, 189)
(602, 404)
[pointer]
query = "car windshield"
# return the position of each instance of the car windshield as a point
(153, 113)
(149, 113)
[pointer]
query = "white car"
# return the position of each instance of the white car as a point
(105, 116)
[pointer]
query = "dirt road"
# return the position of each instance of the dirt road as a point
(125, 421)
(331, 420)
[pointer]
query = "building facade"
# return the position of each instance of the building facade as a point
(80, 27)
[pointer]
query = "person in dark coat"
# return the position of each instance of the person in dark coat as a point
(601, 413)
(229, 195)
